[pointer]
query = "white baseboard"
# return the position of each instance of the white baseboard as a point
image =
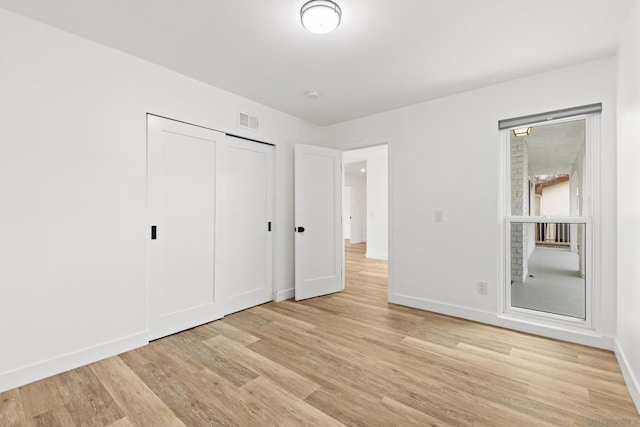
(372, 255)
(630, 378)
(284, 294)
(66, 362)
(578, 336)
(442, 308)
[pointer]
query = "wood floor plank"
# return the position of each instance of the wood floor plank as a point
(42, 396)
(88, 400)
(594, 374)
(348, 358)
(408, 415)
(135, 358)
(569, 379)
(245, 321)
(182, 393)
(226, 329)
(286, 409)
(122, 423)
(11, 412)
(59, 417)
(606, 362)
(542, 389)
(275, 316)
(229, 400)
(612, 406)
(137, 401)
(228, 368)
(350, 406)
(167, 351)
(296, 384)
(496, 364)
(194, 335)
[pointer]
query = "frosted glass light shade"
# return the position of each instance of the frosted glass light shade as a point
(320, 16)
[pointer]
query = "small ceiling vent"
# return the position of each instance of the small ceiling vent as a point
(248, 122)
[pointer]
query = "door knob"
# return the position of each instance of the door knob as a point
(300, 229)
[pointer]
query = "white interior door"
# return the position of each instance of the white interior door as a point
(244, 224)
(318, 211)
(181, 205)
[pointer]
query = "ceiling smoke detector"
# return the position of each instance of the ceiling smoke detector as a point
(312, 94)
(320, 16)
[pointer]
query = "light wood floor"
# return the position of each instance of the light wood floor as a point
(347, 358)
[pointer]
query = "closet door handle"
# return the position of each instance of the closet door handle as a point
(154, 232)
(300, 229)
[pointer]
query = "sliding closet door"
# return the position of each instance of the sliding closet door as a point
(181, 201)
(244, 228)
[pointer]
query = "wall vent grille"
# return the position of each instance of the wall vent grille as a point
(248, 122)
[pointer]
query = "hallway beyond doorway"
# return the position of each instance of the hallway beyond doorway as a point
(360, 270)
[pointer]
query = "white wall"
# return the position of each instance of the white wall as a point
(377, 208)
(444, 154)
(628, 344)
(72, 183)
(556, 200)
(358, 186)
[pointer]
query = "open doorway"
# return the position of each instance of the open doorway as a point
(365, 218)
(354, 202)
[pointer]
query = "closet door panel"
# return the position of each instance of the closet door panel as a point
(182, 207)
(245, 210)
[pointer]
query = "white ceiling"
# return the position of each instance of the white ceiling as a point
(386, 53)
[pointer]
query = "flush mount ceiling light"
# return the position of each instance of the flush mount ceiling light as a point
(522, 131)
(320, 16)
